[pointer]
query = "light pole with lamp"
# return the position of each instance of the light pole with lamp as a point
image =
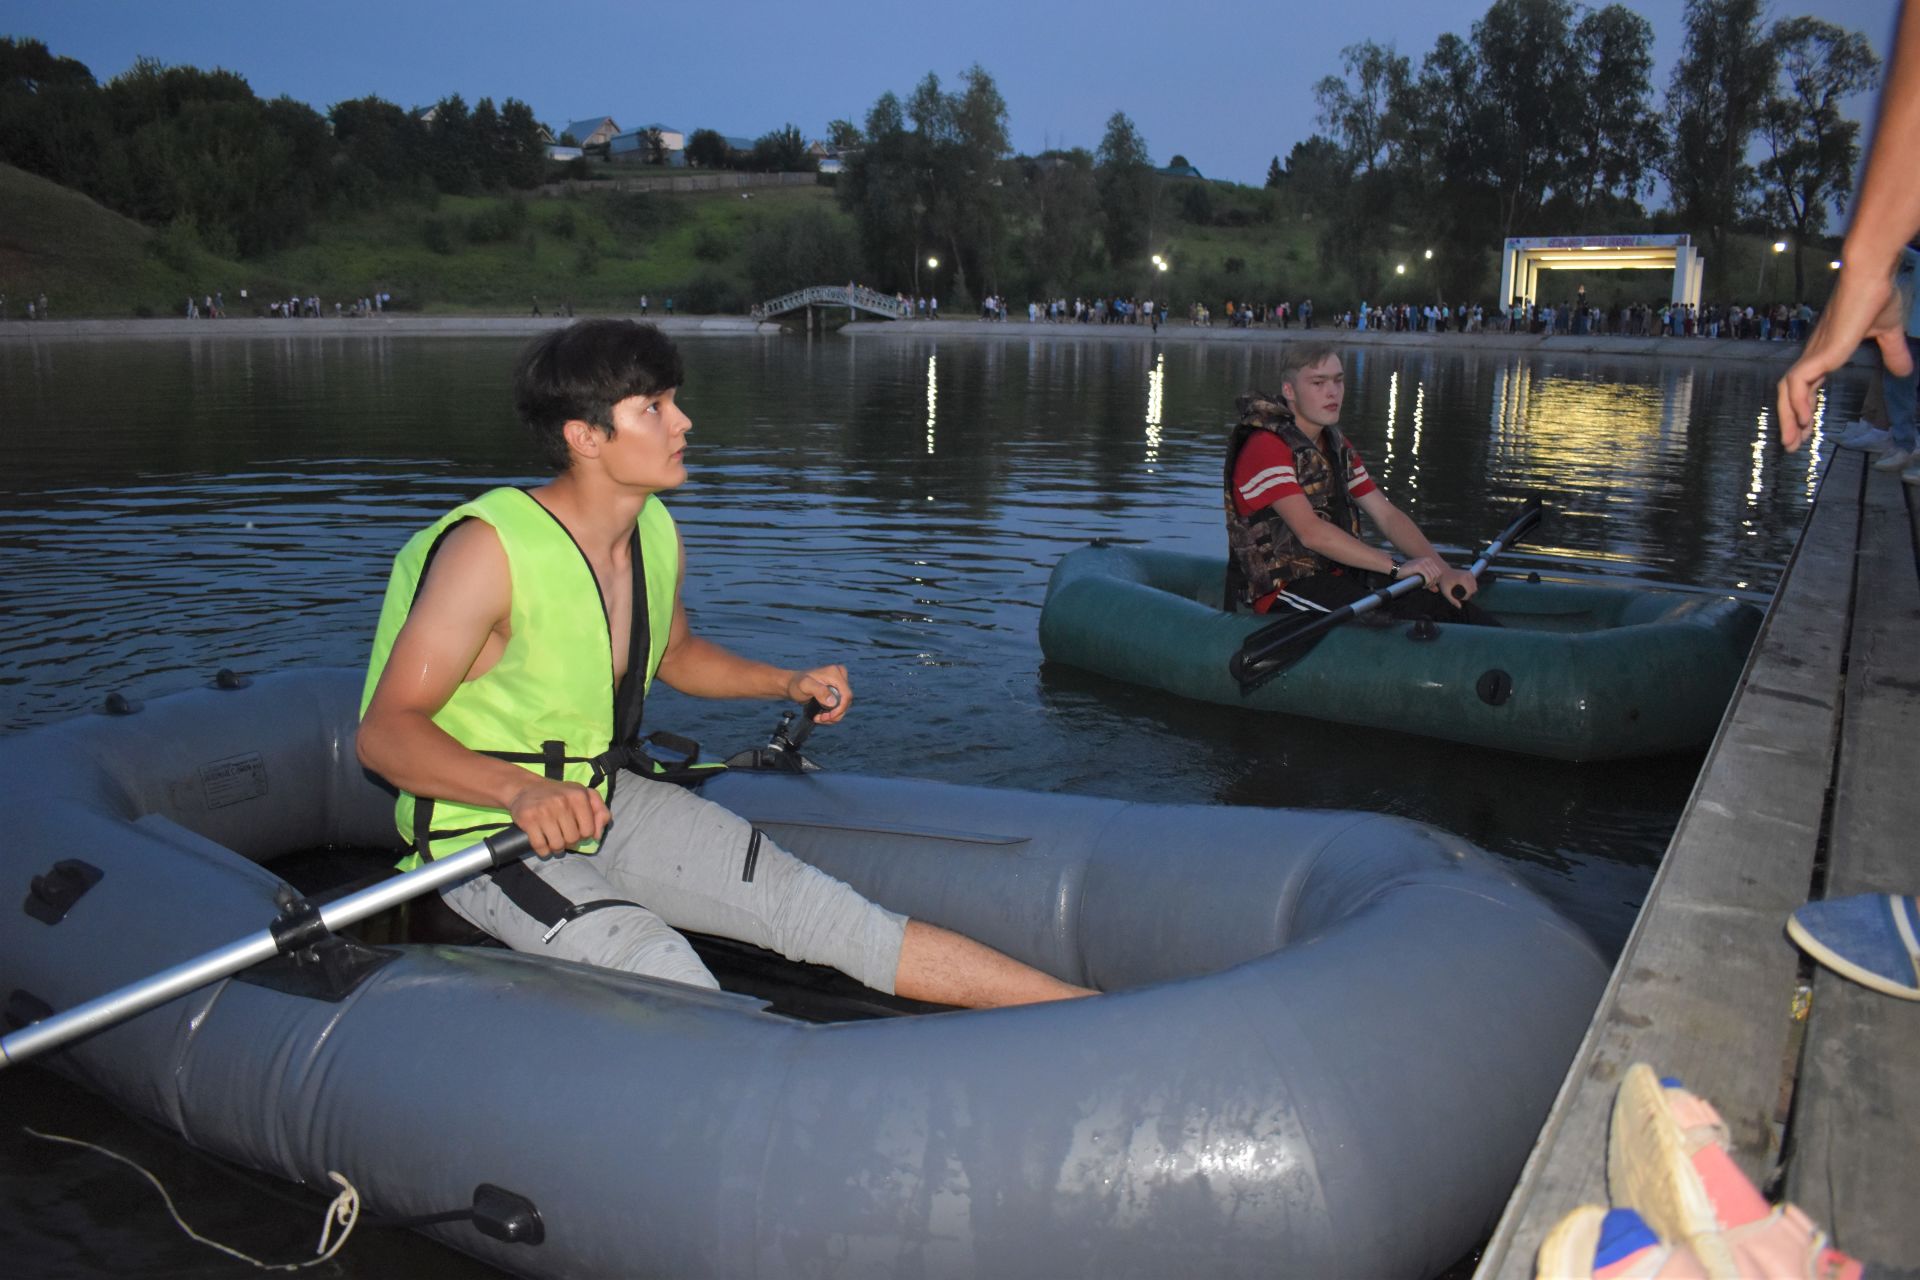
(1763, 312)
(1760, 281)
(1161, 265)
(933, 264)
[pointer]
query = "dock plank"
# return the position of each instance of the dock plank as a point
(1856, 1118)
(1705, 983)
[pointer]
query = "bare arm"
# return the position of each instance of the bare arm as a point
(1323, 537)
(706, 670)
(1335, 543)
(459, 614)
(1885, 216)
(1399, 529)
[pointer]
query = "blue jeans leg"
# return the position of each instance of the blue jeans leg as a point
(1900, 402)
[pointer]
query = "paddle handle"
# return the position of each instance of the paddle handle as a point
(1253, 664)
(137, 997)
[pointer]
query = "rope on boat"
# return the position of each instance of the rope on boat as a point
(344, 1211)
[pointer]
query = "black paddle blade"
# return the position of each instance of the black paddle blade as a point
(1530, 517)
(1251, 673)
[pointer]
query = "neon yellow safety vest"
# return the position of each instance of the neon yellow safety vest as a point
(548, 703)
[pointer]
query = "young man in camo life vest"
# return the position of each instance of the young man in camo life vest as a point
(1295, 491)
(510, 664)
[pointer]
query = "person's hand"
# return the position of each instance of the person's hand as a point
(1859, 311)
(1458, 586)
(828, 686)
(1429, 569)
(558, 815)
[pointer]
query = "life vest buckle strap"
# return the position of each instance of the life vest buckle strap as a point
(574, 913)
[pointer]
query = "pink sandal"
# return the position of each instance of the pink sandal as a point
(1597, 1243)
(1667, 1158)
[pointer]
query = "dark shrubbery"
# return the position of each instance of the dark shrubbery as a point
(710, 244)
(643, 213)
(711, 295)
(499, 223)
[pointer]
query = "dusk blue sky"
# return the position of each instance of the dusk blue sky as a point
(1228, 85)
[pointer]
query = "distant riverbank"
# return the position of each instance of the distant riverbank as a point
(380, 326)
(403, 324)
(1689, 349)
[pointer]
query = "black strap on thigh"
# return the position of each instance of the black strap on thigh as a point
(542, 901)
(753, 856)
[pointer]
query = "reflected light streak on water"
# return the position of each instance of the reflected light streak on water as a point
(1393, 415)
(1819, 438)
(1419, 416)
(1156, 386)
(933, 397)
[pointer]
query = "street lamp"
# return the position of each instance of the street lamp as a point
(1400, 268)
(1429, 255)
(1760, 282)
(933, 263)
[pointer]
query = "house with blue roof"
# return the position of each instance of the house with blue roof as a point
(631, 146)
(592, 131)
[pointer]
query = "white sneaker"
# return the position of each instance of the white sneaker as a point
(1863, 435)
(1896, 459)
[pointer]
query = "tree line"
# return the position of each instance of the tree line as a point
(1545, 118)
(198, 151)
(934, 178)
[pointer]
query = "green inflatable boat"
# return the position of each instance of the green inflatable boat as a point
(1574, 672)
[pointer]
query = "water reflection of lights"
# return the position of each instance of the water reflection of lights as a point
(1393, 413)
(933, 397)
(1759, 472)
(1819, 437)
(1156, 385)
(1584, 430)
(1419, 416)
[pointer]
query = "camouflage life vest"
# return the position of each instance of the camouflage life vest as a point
(1262, 552)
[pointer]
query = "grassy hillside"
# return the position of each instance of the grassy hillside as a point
(87, 260)
(600, 251)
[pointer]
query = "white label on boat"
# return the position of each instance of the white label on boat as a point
(234, 779)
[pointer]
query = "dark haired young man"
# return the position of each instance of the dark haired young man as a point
(515, 645)
(1295, 492)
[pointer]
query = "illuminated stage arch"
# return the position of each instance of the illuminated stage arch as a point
(1525, 257)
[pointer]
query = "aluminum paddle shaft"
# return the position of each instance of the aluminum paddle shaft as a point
(138, 997)
(1272, 649)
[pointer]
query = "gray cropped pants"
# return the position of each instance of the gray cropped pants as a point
(686, 863)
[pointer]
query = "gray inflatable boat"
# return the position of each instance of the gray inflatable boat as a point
(1328, 1043)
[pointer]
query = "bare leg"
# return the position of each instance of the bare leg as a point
(943, 967)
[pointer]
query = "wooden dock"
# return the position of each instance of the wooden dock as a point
(1810, 790)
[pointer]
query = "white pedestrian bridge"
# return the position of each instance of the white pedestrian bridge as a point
(851, 296)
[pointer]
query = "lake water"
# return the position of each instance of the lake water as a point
(170, 508)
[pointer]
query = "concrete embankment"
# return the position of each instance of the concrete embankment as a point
(1689, 349)
(381, 326)
(401, 324)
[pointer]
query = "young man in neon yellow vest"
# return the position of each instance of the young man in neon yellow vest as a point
(517, 639)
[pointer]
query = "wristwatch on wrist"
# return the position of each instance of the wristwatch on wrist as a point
(1393, 573)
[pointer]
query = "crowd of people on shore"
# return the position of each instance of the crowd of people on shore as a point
(1575, 317)
(213, 306)
(36, 307)
(1744, 322)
